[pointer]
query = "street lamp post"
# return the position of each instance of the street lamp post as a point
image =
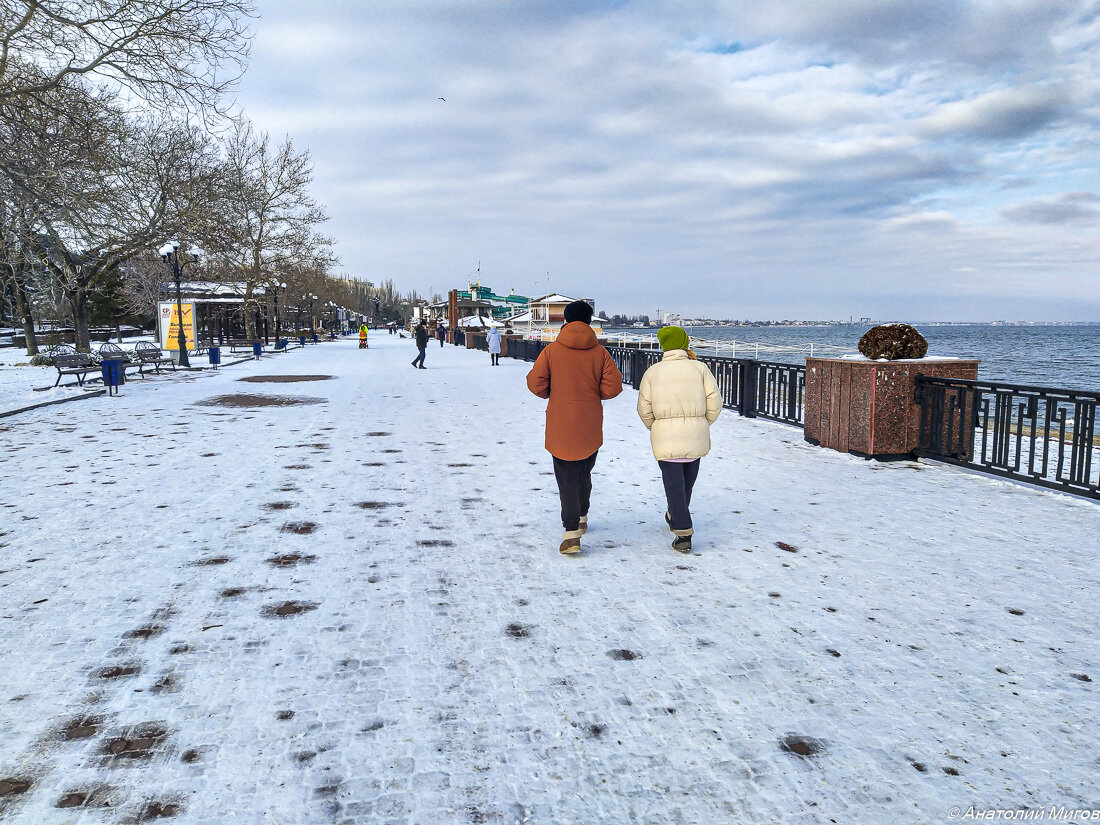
(312, 323)
(275, 287)
(169, 253)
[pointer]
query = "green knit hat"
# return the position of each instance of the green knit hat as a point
(673, 338)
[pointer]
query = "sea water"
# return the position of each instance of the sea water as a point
(1064, 357)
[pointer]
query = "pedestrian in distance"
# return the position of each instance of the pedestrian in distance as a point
(492, 337)
(441, 332)
(460, 337)
(678, 400)
(577, 375)
(421, 335)
(362, 336)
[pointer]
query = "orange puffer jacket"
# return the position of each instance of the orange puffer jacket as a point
(576, 374)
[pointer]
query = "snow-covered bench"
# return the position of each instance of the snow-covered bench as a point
(151, 355)
(77, 363)
(113, 352)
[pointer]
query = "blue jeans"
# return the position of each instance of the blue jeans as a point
(422, 351)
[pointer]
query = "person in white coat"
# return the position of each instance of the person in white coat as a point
(678, 400)
(493, 339)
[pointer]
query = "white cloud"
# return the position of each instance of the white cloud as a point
(698, 155)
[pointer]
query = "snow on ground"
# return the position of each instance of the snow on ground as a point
(354, 611)
(22, 384)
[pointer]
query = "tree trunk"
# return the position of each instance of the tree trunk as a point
(78, 300)
(23, 306)
(246, 310)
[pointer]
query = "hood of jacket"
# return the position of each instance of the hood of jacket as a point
(577, 335)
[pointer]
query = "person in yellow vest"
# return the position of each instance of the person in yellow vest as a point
(362, 336)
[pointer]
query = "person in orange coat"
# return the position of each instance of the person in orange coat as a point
(577, 375)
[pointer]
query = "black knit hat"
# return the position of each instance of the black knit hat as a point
(578, 311)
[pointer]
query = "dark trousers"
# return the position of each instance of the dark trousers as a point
(495, 357)
(574, 488)
(679, 478)
(423, 351)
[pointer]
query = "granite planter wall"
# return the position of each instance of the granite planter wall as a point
(867, 407)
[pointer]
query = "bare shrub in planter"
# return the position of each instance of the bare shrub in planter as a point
(893, 342)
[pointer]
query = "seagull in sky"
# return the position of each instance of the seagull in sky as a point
(442, 98)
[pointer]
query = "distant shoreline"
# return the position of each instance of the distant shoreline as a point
(826, 324)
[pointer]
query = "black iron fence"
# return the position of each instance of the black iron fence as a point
(753, 388)
(1034, 434)
(1038, 435)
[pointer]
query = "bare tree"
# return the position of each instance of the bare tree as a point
(185, 52)
(100, 188)
(143, 281)
(16, 266)
(272, 217)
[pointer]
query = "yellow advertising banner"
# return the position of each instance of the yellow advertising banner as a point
(173, 325)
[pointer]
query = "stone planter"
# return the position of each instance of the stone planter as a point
(868, 407)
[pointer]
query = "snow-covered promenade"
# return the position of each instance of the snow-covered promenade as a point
(354, 611)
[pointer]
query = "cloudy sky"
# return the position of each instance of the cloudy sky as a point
(898, 160)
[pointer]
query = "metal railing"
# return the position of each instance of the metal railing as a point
(753, 388)
(1038, 435)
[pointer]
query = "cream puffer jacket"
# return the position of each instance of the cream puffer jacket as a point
(678, 400)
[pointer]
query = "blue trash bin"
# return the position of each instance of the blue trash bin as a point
(315, 338)
(215, 354)
(257, 348)
(112, 372)
(301, 340)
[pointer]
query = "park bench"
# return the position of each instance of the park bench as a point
(113, 352)
(151, 355)
(76, 363)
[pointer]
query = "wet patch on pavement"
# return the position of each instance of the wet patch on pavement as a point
(282, 379)
(301, 528)
(290, 608)
(804, 746)
(158, 810)
(118, 671)
(290, 560)
(82, 727)
(149, 631)
(248, 400)
(140, 742)
(623, 655)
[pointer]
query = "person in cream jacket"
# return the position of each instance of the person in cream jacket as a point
(678, 400)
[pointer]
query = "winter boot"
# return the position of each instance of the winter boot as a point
(682, 544)
(584, 525)
(570, 547)
(570, 542)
